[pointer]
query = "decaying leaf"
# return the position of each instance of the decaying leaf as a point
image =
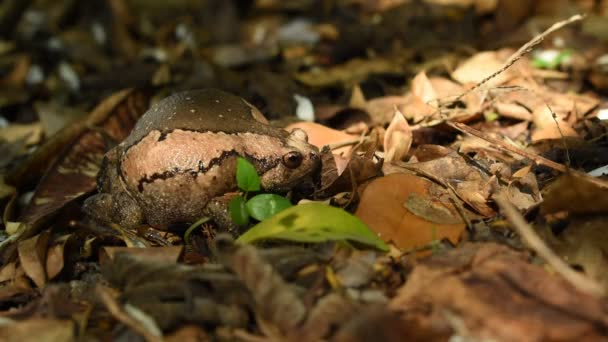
(32, 256)
(397, 139)
(494, 293)
(577, 194)
(409, 211)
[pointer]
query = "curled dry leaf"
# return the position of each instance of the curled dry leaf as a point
(397, 139)
(39, 329)
(548, 127)
(330, 311)
(423, 88)
(320, 135)
(410, 211)
(499, 295)
(482, 65)
(576, 193)
(275, 300)
(32, 256)
(55, 257)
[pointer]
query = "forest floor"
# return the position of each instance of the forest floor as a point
(465, 144)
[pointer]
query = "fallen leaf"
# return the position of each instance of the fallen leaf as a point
(409, 211)
(547, 127)
(168, 254)
(55, 257)
(577, 194)
(313, 222)
(38, 329)
(495, 293)
(480, 66)
(32, 256)
(397, 139)
(423, 88)
(320, 135)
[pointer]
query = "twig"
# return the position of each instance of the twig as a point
(524, 50)
(534, 242)
(105, 294)
(508, 147)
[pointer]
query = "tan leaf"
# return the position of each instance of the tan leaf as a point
(38, 329)
(320, 135)
(357, 99)
(154, 254)
(423, 88)
(547, 127)
(397, 139)
(480, 66)
(32, 256)
(54, 257)
(410, 211)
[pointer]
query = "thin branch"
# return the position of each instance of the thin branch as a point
(534, 242)
(523, 51)
(508, 147)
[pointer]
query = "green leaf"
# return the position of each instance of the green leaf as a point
(246, 176)
(313, 222)
(263, 206)
(238, 211)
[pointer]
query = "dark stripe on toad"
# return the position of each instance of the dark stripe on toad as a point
(262, 165)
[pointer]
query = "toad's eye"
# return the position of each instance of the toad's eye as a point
(292, 159)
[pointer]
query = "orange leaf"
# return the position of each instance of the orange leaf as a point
(388, 204)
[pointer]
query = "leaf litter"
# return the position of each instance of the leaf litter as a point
(473, 164)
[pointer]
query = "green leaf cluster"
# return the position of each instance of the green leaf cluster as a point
(309, 223)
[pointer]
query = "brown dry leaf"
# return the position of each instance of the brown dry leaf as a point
(79, 163)
(577, 194)
(32, 256)
(423, 88)
(8, 272)
(38, 329)
(410, 211)
(470, 184)
(352, 171)
(168, 254)
(329, 311)
(397, 139)
(482, 65)
(495, 294)
(377, 323)
(584, 243)
(513, 111)
(320, 135)
(14, 282)
(188, 333)
(382, 109)
(31, 134)
(351, 72)
(275, 301)
(357, 99)
(547, 127)
(122, 101)
(55, 257)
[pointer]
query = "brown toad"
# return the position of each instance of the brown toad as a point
(180, 160)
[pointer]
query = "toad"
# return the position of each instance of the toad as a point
(179, 162)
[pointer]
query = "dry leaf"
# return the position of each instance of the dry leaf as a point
(320, 135)
(423, 88)
(32, 256)
(410, 211)
(397, 139)
(480, 66)
(38, 329)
